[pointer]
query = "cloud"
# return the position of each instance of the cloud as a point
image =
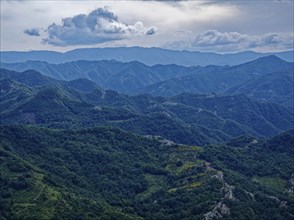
(32, 32)
(151, 31)
(176, 21)
(213, 37)
(98, 26)
(213, 40)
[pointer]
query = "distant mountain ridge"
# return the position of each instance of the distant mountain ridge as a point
(34, 78)
(276, 87)
(219, 79)
(135, 78)
(148, 56)
(119, 76)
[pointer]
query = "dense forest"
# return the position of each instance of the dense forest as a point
(106, 173)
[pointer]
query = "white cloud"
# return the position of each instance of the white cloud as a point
(214, 40)
(175, 21)
(98, 26)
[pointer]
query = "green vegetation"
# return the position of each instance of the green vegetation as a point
(104, 172)
(63, 154)
(277, 183)
(187, 118)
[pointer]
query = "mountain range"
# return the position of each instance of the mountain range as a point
(105, 139)
(148, 56)
(135, 78)
(31, 98)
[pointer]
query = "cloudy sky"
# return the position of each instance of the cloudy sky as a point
(208, 25)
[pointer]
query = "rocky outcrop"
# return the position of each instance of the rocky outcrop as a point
(291, 180)
(219, 210)
(278, 201)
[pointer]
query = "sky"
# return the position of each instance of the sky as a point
(210, 25)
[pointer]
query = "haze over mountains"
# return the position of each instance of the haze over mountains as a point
(132, 78)
(148, 56)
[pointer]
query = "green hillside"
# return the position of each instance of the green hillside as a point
(71, 150)
(186, 118)
(106, 173)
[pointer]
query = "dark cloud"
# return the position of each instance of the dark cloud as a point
(151, 31)
(98, 26)
(32, 32)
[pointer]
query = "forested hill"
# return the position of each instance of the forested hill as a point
(187, 118)
(108, 173)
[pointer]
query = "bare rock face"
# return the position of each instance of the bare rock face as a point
(162, 140)
(218, 211)
(225, 210)
(291, 180)
(251, 195)
(282, 204)
(228, 191)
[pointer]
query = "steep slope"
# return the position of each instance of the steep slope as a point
(12, 94)
(218, 80)
(276, 87)
(264, 118)
(33, 78)
(29, 77)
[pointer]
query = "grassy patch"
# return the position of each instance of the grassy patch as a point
(277, 184)
(189, 148)
(192, 185)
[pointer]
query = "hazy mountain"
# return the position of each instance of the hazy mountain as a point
(122, 77)
(218, 79)
(275, 87)
(163, 80)
(33, 78)
(221, 80)
(148, 56)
